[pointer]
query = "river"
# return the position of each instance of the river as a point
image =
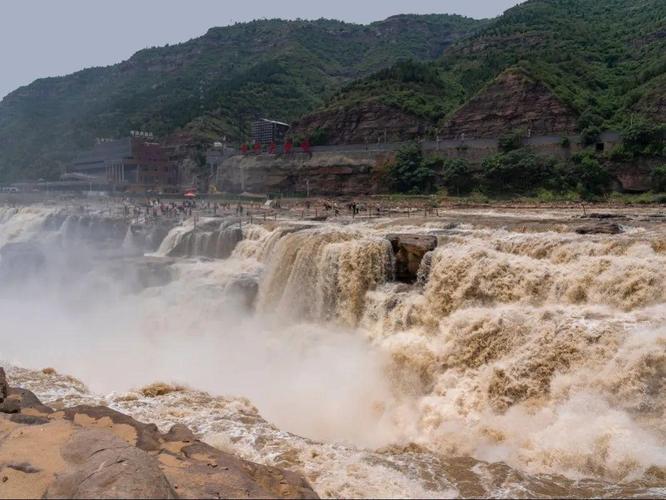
(526, 361)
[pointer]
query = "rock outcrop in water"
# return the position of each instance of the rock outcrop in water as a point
(96, 452)
(409, 250)
(599, 228)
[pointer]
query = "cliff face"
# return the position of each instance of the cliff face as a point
(359, 171)
(512, 101)
(321, 174)
(366, 122)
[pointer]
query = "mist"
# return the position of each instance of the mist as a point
(82, 311)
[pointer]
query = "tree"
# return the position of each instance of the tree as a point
(590, 135)
(589, 118)
(643, 138)
(591, 177)
(658, 179)
(519, 171)
(318, 137)
(409, 173)
(457, 176)
(510, 141)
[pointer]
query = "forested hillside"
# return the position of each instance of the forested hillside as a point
(600, 62)
(209, 86)
(545, 65)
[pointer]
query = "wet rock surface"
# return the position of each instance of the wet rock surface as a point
(409, 250)
(599, 228)
(96, 452)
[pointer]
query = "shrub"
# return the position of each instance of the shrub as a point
(457, 176)
(658, 179)
(619, 153)
(643, 138)
(409, 173)
(510, 141)
(519, 171)
(589, 119)
(318, 137)
(590, 176)
(590, 135)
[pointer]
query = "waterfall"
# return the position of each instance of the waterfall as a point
(201, 240)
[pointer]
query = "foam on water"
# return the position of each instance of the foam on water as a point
(522, 363)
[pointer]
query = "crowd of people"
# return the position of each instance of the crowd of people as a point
(156, 209)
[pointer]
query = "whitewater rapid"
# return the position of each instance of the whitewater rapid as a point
(527, 359)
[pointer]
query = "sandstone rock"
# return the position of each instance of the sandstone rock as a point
(513, 101)
(600, 228)
(105, 466)
(18, 400)
(332, 173)
(180, 432)
(21, 418)
(409, 250)
(198, 470)
(97, 452)
(360, 123)
(144, 436)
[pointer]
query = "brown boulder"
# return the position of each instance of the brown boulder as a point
(409, 250)
(600, 228)
(105, 466)
(144, 436)
(97, 452)
(17, 400)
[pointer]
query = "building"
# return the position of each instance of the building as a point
(266, 131)
(132, 163)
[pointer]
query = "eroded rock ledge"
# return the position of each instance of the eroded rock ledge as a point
(409, 250)
(96, 452)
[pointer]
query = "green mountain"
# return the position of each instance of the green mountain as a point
(209, 86)
(547, 65)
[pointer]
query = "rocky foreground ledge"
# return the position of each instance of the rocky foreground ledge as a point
(96, 452)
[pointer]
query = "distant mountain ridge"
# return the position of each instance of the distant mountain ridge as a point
(545, 65)
(209, 86)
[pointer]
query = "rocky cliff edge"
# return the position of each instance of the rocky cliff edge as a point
(96, 452)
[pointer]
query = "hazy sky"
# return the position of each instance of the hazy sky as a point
(55, 37)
